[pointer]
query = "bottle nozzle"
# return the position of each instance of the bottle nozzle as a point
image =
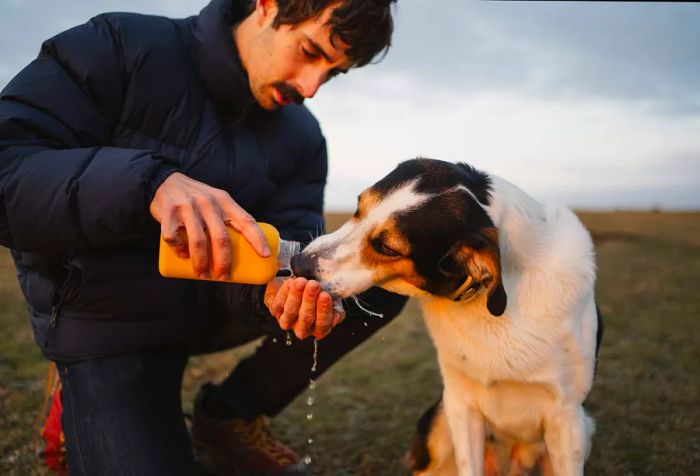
(287, 249)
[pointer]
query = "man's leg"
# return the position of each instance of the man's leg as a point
(276, 374)
(123, 415)
(229, 429)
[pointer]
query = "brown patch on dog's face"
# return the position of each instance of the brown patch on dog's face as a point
(387, 252)
(365, 201)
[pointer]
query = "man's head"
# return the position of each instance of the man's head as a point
(289, 48)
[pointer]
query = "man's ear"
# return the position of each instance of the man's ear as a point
(479, 257)
(265, 11)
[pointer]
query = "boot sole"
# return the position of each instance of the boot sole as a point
(217, 463)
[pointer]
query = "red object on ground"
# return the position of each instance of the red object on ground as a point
(51, 444)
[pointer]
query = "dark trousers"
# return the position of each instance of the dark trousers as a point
(123, 414)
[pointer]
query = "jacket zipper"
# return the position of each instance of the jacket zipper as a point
(57, 298)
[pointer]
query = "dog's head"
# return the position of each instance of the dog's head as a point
(422, 229)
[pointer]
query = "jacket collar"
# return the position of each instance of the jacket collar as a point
(216, 56)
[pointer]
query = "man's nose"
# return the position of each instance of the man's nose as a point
(310, 82)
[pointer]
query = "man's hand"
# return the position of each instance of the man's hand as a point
(300, 305)
(192, 214)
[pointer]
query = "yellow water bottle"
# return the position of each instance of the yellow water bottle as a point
(247, 266)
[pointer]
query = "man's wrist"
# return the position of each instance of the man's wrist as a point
(160, 175)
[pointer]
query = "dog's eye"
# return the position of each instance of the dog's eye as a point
(382, 248)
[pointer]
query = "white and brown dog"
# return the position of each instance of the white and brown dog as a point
(506, 287)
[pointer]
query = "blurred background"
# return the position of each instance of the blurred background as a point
(594, 104)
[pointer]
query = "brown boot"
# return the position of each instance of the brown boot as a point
(238, 447)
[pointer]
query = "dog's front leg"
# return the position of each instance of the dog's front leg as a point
(466, 427)
(565, 434)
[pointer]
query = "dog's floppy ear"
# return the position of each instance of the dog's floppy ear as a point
(478, 259)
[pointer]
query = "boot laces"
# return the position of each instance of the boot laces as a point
(258, 435)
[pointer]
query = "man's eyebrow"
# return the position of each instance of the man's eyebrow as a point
(323, 53)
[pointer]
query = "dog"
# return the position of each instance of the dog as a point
(506, 287)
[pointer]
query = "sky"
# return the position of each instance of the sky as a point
(591, 104)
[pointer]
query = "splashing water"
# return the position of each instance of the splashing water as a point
(371, 313)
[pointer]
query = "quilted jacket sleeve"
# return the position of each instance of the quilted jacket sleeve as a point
(61, 186)
(297, 207)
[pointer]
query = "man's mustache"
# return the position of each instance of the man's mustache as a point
(289, 92)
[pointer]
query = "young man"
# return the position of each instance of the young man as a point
(131, 126)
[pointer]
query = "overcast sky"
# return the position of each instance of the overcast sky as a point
(592, 104)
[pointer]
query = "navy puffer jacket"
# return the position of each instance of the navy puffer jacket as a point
(92, 127)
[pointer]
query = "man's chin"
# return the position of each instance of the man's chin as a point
(265, 101)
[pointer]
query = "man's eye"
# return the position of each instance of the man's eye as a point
(309, 54)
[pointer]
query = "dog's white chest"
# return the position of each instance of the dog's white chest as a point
(489, 349)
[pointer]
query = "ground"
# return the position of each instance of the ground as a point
(645, 398)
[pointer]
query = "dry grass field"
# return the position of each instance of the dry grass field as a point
(645, 398)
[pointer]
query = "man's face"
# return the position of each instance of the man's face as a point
(290, 63)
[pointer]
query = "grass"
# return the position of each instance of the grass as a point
(645, 398)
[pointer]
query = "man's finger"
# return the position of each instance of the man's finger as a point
(220, 242)
(338, 311)
(277, 304)
(243, 222)
(307, 311)
(174, 235)
(292, 304)
(324, 315)
(271, 290)
(198, 244)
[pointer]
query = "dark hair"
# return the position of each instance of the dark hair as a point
(364, 25)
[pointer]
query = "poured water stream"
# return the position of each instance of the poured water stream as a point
(310, 400)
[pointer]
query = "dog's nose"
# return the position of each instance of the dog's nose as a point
(303, 266)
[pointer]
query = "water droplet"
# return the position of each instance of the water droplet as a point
(310, 440)
(274, 340)
(307, 460)
(312, 384)
(365, 324)
(289, 338)
(309, 416)
(310, 401)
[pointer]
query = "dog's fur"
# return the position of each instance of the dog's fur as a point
(506, 288)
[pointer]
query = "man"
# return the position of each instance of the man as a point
(132, 121)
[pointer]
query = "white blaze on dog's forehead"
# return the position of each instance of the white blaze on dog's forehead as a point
(347, 238)
(400, 199)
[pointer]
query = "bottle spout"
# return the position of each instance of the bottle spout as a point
(287, 250)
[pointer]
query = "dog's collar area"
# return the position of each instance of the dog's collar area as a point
(465, 290)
